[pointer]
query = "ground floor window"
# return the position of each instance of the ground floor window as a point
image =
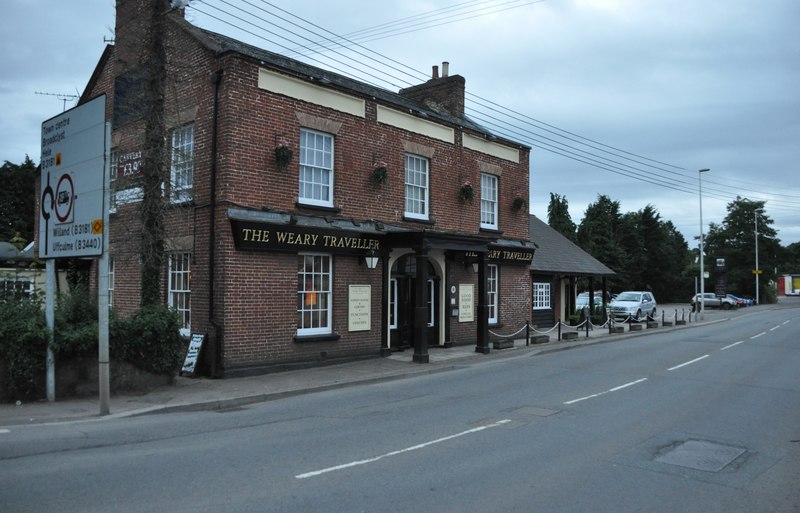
(541, 296)
(15, 287)
(179, 295)
(393, 303)
(491, 290)
(314, 290)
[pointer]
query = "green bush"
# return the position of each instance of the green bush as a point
(76, 324)
(23, 346)
(150, 339)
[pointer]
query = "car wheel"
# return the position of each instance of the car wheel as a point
(653, 314)
(726, 306)
(638, 314)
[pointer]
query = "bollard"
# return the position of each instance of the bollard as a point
(527, 334)
(588, 322)
(559, 330)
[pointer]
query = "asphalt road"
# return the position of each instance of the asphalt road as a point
(705, 419)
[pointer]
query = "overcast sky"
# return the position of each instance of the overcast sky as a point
(627, 98)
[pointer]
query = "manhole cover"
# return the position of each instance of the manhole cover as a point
(701, 455)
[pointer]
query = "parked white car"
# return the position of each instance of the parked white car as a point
(712, 300)
(634, 304)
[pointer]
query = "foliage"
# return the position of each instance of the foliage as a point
(150, 339)
(23, 346)
(283, 154)
(734, 239)
(379, 173)
(466, 193)
(790, 259)
(17, 200)
(519, 202)
(76, 324)
(558, 217)
(600, 235)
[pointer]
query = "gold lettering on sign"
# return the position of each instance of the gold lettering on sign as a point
(253, 235)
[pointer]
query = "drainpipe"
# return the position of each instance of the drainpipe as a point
(216, 359)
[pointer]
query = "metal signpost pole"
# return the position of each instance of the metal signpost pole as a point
(702, 249)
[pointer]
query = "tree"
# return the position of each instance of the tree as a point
(599, 234)
(17, 200)
(558, 216)
(734, 239)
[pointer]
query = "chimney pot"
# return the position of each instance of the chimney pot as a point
(445, 69)
(436, 72)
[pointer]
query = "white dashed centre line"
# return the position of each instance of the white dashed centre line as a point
(626, 385)
(774, 328)
(401, 451)
(759, 335)
(688, 363)
(732, 345)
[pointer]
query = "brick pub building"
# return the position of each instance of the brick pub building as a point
(358, 245)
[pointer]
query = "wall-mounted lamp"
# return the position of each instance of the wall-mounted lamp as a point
(475, 267)
(372, 260)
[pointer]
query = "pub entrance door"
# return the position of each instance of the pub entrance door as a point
(402, 292)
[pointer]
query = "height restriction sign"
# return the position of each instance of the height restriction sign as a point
(73, 174)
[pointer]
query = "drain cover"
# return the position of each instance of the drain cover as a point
(701, 455)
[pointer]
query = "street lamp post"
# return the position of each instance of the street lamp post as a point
(702, 248)
(755, 215)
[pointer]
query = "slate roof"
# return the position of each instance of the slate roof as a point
(558, 255)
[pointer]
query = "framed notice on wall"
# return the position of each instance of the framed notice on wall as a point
(359, 308)
(466, 302)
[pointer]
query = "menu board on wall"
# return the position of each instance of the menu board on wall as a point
(359, 308)
(466, 302)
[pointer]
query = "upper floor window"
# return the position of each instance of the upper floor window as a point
(182, 168)
(316, 168)
(488, 201)
(416, 187)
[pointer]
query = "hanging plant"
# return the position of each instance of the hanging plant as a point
(466, 193)
(283, 154)
(379, 173)
(519, 202)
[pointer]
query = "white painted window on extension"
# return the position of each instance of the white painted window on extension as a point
(316, 168)
(417, 191)
(541, 296)
(111, 278)
(488, 201)
(314, 294)
(182, 167)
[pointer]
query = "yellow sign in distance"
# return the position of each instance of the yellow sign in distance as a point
(758, 271)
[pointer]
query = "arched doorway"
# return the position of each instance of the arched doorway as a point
(402, 293)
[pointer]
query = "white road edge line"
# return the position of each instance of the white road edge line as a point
(732, 345)
(4, 431)
(759, 335)
(401, 451)
(688, 363)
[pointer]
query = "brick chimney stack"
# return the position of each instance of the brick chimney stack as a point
(444, 95)
(133, 26)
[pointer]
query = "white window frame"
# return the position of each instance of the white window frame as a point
(393, 303)
(417, 190)
(181, 173)
(19, 287)
(316, 168)
(541, 296)
(111, 278)
(179, 289)
(314, 298)
(489, 189)
(492, 291)
(431, 303)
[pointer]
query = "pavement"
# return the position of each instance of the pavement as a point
(197, 394)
